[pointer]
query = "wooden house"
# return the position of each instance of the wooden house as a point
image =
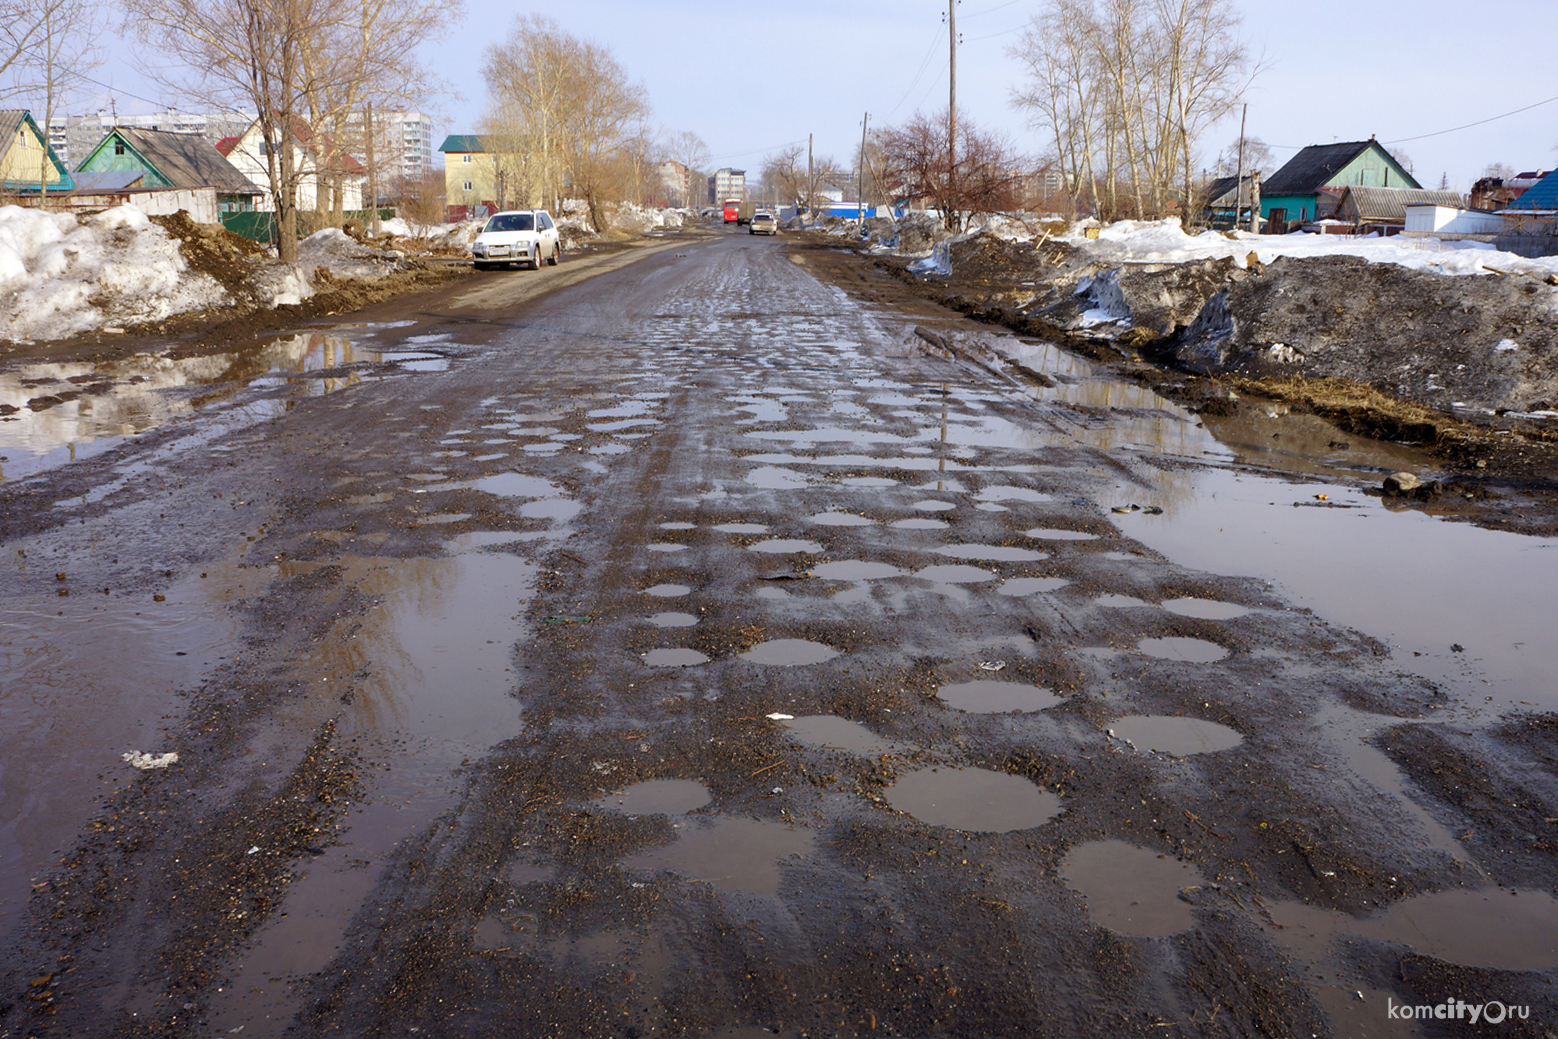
(174, 162)
(28, 165)
(1309, 186)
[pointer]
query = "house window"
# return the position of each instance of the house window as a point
(118, 147)
(467, 185)
(465, 158)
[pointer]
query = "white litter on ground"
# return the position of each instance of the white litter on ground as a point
(146, 761)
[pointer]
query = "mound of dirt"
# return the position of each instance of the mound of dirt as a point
(212, 249)
(1456, 344)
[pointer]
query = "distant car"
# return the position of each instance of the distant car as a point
(763, 223)
(523, 237)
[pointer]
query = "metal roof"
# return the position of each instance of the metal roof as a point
(1220, 192)
(463, 142)
(1313, 167)
(1388, 205)
(186, 159)
(109, 180)
(1541, 195)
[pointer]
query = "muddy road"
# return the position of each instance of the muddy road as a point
(677, 643)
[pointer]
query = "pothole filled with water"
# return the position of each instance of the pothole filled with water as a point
(973, 799)
(785, 545)
(834, 733)
(1165, 734)
(673, 620)
(744, 855)
(668, 591)
(1205, 609)
(856, 570)
(992, 696)
(1187, 650)
(658, 797)
(789, 652)
(1131, 890)
(674, 658)
(1031, 585)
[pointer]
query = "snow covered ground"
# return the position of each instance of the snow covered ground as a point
(60, 275)
(1162, 241)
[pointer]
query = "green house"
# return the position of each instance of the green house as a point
(1310, 185)
(27, 162)
(174, 160)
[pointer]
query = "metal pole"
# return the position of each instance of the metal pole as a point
(1238, 180)
(860, 173)
(808, 176)
(952, 105)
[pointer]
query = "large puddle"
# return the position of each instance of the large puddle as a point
(71, 411)
(427, 682)
(737, 855)
(1175, 736)
(973, 799)
(1131, 890)
(830, 732)
(990, 696)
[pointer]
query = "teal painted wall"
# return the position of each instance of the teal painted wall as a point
(104, 159)
(1299, 207)
(1373, 168)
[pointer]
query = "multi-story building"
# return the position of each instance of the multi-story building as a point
(74, 136)
(675, 182)
(727, 184)
(404, 140)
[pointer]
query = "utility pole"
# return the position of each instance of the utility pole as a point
(952, 109)
(373, 184)
(860, 173)
(1238, 180)
(808, 178)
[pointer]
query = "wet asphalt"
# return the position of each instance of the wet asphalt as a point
(691, 650)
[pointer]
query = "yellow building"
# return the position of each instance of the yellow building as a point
(480, 180)
(27, 163)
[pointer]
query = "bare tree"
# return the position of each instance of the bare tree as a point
(784, 174)
(1257, 156)
(689, 149)
(1126, 88)
(66, 41)
(420, 200)
(987, 178)
(567, 107)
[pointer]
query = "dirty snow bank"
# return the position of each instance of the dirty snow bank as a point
(344, 255)
(1164, 241)
(61, 275)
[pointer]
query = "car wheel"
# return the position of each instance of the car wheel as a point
(557, 255)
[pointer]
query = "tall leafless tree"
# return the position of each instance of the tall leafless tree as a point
(566, 107)
(987, 177)
(1125, 89)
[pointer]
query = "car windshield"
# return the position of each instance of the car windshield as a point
(511, 222)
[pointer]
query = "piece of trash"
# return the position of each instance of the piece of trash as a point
(1153, 510)
(145, 761)
(1322, 497)
(991, 665)
(252, 850)
(159, 597)
(776, 716)
(1456, 647)
(777, 790)
(1126, 508)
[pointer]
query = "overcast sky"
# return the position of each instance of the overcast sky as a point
(751, 79)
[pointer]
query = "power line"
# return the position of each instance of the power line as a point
(988, 10)
(923, 62)
(1468, 126)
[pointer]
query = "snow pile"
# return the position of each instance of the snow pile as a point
(636, 219)
(343, 255)
(1164, 241)
(61, 275)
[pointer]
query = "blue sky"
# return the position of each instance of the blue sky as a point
(754, 78)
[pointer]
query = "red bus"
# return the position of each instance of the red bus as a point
(732, 210)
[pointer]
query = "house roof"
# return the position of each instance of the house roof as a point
(1541, 195)
(11, 121)
(186, 159)
(463, 142)
(1388, 205)
(1220, 192)
(227, 144)
(1313, 167)
(109, 180)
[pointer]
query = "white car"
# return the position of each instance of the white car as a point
(523, 237)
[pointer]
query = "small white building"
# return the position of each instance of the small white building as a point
(1438, 220)
(312, 154)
